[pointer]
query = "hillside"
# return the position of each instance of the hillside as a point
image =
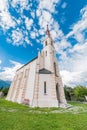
(4, 83)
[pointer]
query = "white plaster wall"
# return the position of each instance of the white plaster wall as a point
(47, 58)
(45, 100)
(17, 83)
(41, 58)
(31, 82)
(15, 88)
(50, 58)
(19, 96)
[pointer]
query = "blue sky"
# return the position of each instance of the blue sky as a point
(22, 30)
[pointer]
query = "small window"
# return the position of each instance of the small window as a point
(46, 43)
(51, 43)
(26, 73)
(55, 68)
(46, 53)
(45, 88)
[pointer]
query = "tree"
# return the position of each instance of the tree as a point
(5, 91)
(80, 93)
(69, 93)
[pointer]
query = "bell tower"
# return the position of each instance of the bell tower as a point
(49, 51)
(49, 77)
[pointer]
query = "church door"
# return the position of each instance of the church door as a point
(57, 93)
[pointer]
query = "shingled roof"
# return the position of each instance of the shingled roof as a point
(45, 71)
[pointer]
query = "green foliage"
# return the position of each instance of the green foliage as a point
(78, 93)
(1, 88)
(69, 93)
(5, 91)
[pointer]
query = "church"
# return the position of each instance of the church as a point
(38, 83)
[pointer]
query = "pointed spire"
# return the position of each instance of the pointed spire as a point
(48, 32)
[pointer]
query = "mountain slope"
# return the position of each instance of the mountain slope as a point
(4, 83)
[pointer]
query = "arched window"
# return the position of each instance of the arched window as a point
(46, 53)
(51, 43)
(55, 68)
(26, 73)
(46, 43)
(45, 91)
(57, 92)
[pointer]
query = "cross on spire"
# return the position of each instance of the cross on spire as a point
(48, 32)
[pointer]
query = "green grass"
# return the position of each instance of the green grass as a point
(14, 116)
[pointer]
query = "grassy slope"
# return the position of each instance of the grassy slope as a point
(18, 117)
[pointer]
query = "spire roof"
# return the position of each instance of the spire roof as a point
(48, 31)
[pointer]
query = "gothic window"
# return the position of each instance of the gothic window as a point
(57, 92)
(55, 68)
(51, 43)
(46, 53)
(26, 73)
(45, 91)
(54, 53)
(46, 43)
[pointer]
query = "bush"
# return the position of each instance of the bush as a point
(75, 94)
(80, 93)
(5, 91)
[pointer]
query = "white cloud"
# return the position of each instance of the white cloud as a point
(74, 65)
(74, 78)
(80, 48)
(49, 4)
(33, 14)
(64, 5)
(6, 20)
(73, 59)
(0, 61)
(44, 13)
(23, 5)
(9, 72)
(17, 37)
(33, 35)
(3, 5)
(79, 28)
(28, 23)
(38, 12)
(45, 19)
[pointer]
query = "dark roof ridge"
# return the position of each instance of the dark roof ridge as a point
(27, 63)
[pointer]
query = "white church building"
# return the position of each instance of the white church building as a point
(38, 83)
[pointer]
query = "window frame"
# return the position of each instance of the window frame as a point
(46, 53)
(45, 43)
(45, 88)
